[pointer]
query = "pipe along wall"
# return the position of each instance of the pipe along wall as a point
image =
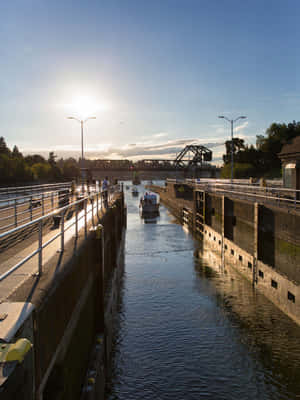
(67, 315)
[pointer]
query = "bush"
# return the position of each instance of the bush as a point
(239, 171)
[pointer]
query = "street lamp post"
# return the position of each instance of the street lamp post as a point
(232, 122)
(81, 121)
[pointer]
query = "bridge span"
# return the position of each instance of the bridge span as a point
(191, 162)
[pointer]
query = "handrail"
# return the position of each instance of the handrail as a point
(60, 213)
(38, 204)
(13, 189)
(264, 193)
(242, 188)
(262, 188)
(27, 196)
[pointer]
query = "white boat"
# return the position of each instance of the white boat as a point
(149, 204)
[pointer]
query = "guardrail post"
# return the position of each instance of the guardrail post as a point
(30, 208)
(43, 204)
(16, 215)
(92, 201)
(76, 220)
(52, 201)
(40, 247)
(255, 242)
(97, 197)
(295, 200)
(223, 232)
(85, 218)
(62, 232)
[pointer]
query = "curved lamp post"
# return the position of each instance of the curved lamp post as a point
(232, 121)
(81, 121)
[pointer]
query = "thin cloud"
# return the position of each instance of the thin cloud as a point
(241, 127)
(160, 135)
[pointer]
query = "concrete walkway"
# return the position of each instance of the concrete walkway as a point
(14, 255)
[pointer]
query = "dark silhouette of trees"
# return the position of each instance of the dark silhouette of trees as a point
(34, 159)
(17, 169)
(263, 160)
(4, 150)
(238, 145)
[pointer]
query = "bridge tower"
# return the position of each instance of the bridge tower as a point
(199, 155)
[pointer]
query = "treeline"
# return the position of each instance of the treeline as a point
(262, 160)
(17, 169)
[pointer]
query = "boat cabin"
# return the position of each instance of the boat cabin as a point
(150, 198)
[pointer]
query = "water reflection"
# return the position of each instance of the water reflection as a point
(188, 329)
(271, 337)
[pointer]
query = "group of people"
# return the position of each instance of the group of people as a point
(104, 188)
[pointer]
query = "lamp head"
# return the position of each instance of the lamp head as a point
(221, 116)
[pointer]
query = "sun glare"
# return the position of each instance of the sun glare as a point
(84, 106)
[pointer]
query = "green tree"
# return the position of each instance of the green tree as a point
(21, 171)
(240, 170)
(238, 144)
(51, 158)
(3, 147)
(41, 171)
(34, 159)
(271, 144)
(264, 158)
(5, 169)
(70, 169)
(16, 153)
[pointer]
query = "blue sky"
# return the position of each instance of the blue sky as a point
(156, 74)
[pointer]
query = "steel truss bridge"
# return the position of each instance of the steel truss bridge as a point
(190, 158)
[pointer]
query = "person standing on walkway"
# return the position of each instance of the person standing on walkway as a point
(105, 186)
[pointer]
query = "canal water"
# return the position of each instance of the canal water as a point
(188, 329)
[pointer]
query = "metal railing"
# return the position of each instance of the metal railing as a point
(272, 192)
(84, 210)
(16, 211)
(282, 197)
(16, 191)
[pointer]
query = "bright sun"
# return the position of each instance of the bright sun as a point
(85, 106)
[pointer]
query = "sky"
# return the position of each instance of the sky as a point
(155, 74)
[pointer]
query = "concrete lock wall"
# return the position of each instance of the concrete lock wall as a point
(262, 243)
(74, 305)
(279, 241)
